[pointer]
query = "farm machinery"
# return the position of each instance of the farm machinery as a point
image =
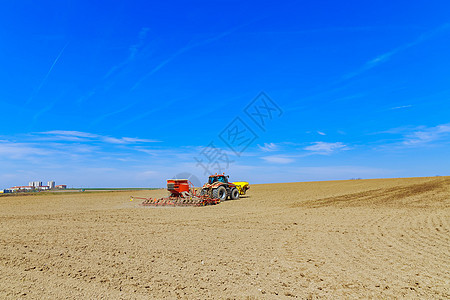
(218, 187)
(183, 193)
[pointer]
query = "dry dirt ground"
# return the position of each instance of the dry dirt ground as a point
(386, 238)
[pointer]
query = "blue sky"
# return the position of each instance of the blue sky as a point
(101, 94)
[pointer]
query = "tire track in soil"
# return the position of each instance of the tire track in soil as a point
(362, 256)
(369, 249)
(339, 257)
(425, 231)
(420, 234)
(401, 261)
(302, 262)
(407, 250)
(441, 229)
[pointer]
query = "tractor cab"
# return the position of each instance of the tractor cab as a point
(217, 178)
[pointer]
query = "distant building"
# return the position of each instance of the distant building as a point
(22, 188)
(61, 186)
(35, 184)
(43, 188)
(51, 184)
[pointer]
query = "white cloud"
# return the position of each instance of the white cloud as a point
(67, 135)
(59, 146)
(278, 159)
(268, 147)
(400, 107)
(325, 148)
(321, 133)
(427, 135)
(12, 150)
(70, 133)
(125, 140)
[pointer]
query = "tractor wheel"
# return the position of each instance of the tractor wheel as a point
(234, 195)
(220, 193)
(203, 192)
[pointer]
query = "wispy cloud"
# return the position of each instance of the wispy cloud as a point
(400, 107)
(62, 153)
(321, 133)
(278, 159)
(145, 114)
(109, 114)
(47, 75)
(415, 137)
(189, 46)
(427, 135)
(383, 58)
(67, 135)
(340, 29)
(133, 51)
(269, 147)
(126, 140)
(44, 109)
(291, 152)
(325, 148)
(107, 81)
(14, 150)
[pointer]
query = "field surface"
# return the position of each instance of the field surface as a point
(385, 238)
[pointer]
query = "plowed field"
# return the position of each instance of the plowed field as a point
(381, 238)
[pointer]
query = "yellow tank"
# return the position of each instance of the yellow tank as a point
(242, 186)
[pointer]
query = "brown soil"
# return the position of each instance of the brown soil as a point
(387, 238)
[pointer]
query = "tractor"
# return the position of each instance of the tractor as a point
(218, 187)
(183, 193)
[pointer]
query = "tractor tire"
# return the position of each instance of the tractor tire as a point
(220, 193)
(234, 194)
(203, 192)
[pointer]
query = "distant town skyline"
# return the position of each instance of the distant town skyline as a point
(34, 186)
